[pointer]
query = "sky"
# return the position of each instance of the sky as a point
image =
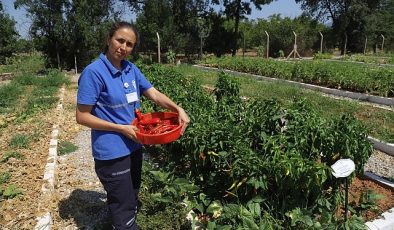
(287, 8)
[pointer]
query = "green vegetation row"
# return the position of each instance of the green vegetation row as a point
(379, 122)
(367, 58)
(371, 59)
(35, 93)
(253, 164)
(32, 63)
(339, 75)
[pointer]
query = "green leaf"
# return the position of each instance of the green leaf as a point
(248, 223)
(204, 199)
(211, 225)
(158, 197)
(255, 209)
(160, 176)
(215, 206)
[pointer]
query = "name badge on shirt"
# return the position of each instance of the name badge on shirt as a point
(132, 97)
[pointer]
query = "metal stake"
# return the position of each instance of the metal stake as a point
(321, 42)
(158, 47)
(365, 44)
(346, 198)
(268, 44)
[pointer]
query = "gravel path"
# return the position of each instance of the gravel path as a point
(79, 201)
(381, 164)
(81, 198)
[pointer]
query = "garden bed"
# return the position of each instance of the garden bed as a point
(20, 211)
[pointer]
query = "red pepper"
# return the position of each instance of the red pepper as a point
(161, 129)
(138, 114)
(155, 120)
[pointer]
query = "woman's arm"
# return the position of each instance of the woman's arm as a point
(84, 117)
(165, 102)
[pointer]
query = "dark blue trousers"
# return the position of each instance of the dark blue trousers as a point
(121, 179)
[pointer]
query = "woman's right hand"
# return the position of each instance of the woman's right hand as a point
(85, 117)
(130, 132)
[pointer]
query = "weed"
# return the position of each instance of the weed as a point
(171, 56)
(20, 141)
(66, 147)
(11, 154)
(25, 79)
(45, 92)
(11, 191)
(38, 104)
(25, 63)
(53, 78)
(9, 95)
(4, 177)
(368, 201)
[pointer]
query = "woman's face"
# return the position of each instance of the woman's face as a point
(120, 45)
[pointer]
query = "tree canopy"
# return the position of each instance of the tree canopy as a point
(8, 35)
(237, 10)
(348, 18)
(66, 30)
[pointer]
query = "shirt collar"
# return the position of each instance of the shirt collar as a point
(114, 71)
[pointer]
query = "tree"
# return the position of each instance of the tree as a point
(47, 26)
(236, 10)
(381, 23)
(219, 40)
(8, 35)
(281, 30)
(85, 29)
(63, 28)
(176, 21)
(156, 17)
(347, 17)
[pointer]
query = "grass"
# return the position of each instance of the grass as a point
(380, 122)
(24, 63)
(4, 177)
(66, 147)
(28, 93)
(11, 191)
(11, 154)
(9, 95)
(20, 141)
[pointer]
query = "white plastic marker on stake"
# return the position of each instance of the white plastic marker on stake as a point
(342, 169)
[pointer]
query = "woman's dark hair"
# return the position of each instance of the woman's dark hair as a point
(119, 25)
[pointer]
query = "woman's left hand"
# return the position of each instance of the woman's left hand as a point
(165, 102)
(183, 118)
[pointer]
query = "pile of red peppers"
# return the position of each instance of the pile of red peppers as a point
(155, 126)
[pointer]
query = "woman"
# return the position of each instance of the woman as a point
(109, 91)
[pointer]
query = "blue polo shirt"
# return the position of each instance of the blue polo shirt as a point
(109, 91)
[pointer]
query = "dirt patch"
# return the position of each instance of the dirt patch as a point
(360, 195)
(6, 76)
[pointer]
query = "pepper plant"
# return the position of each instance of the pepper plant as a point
(258, 164)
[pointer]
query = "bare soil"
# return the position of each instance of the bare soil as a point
(360, 186)
(25, 173)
